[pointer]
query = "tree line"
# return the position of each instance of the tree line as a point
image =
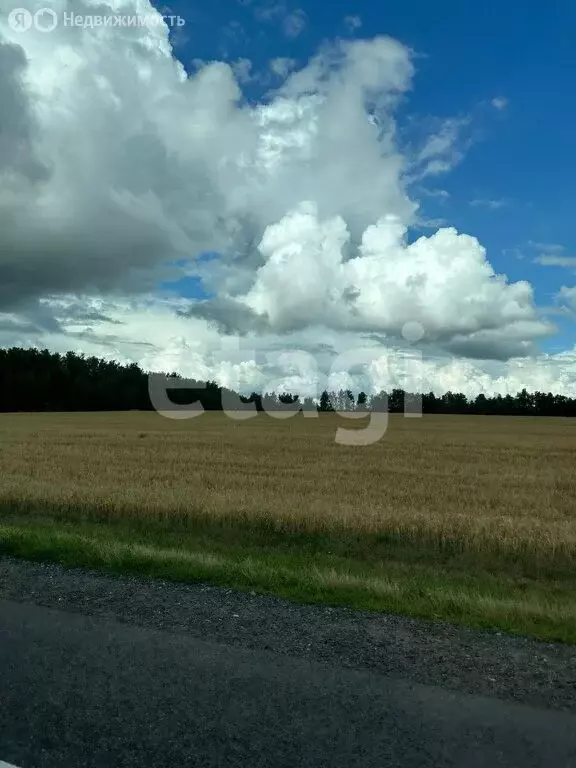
(39, 380)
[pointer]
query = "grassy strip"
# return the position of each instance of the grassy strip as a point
(454, 551)
(301, 568)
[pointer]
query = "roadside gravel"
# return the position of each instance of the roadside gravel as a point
(472, 661)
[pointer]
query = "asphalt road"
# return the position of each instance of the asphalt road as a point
(85, 691)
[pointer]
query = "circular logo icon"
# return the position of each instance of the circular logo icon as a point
(413, 331)
(20, 20)
(45, 20)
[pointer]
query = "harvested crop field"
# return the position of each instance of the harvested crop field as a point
(466, 518)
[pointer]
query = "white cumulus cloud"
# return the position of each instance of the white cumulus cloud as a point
(119, 169)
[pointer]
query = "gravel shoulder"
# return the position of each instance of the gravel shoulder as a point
(431, 653)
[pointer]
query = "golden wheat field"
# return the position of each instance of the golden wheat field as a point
(499, 479)
(494, 496)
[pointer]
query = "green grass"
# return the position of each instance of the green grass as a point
(367, 572)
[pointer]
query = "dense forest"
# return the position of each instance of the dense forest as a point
(38, 380)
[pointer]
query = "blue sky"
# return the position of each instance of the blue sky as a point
(467, 54)
(306, 192)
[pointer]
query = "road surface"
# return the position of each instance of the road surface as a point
(91, 691)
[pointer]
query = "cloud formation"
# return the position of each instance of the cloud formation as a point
(443, 282)
(352, 23)
(500, 103)
(118, 170)
(555, 260)
(282, 66)
(491, 205)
